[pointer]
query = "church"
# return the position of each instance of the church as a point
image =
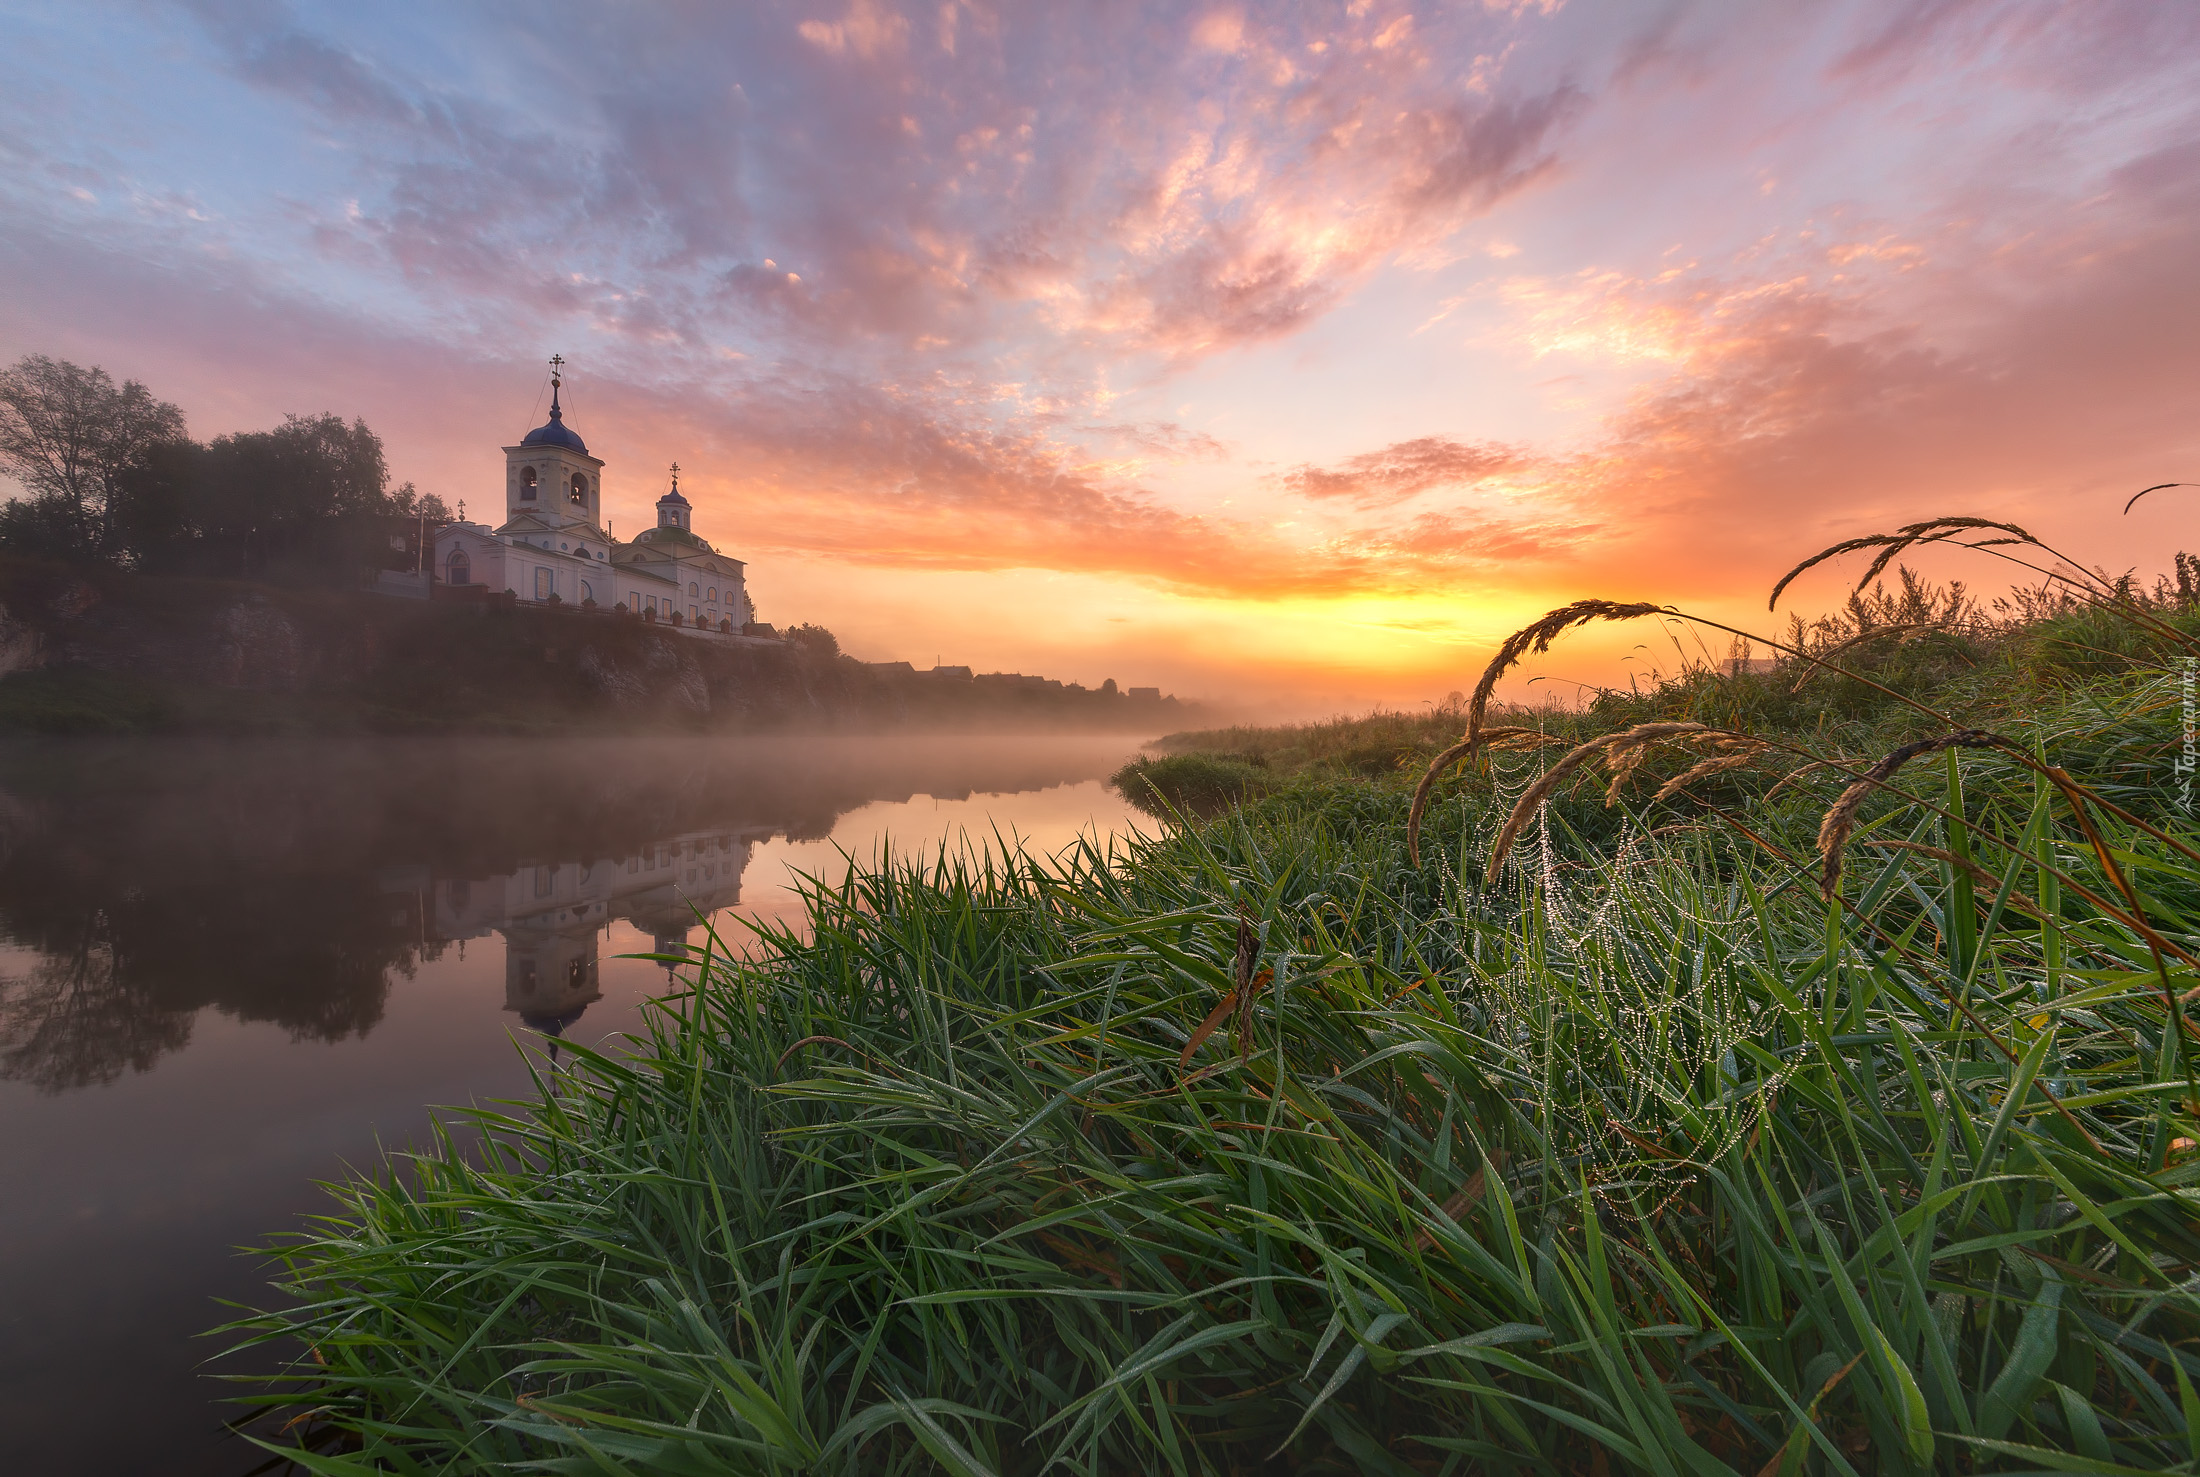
(552, 547)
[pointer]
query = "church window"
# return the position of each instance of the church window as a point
(691, 612)
(580, 488)
(714, 594)
(543, 586)
(691, 587)
(527, 484)
(588, 591)
(459, 570)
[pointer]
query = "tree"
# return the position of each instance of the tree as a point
(70, 435)
(292, 502)
(815, 640)
(409, 502)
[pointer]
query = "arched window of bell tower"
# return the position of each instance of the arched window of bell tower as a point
(526, 484)
(580, 489)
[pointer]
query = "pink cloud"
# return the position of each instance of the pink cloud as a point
(1404, 470)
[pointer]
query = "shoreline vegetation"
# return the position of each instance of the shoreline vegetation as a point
(90, 650)
(1784, 1070)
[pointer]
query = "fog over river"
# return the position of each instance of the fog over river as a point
(228, 970)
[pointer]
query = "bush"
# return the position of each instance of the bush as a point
(1196, 785)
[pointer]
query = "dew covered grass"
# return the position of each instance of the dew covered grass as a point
(1258, 1146)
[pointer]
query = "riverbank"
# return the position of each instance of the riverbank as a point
(104, 652)
(1571, 1137)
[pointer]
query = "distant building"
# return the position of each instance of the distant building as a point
(952, 674)
(1143, 694)
(551, 546)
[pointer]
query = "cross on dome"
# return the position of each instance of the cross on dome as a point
(555, 432)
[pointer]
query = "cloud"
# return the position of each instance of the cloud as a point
(1808, 412)
(1404, 470)
(1124, 176)
(929, 287)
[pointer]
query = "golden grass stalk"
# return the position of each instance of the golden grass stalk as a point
(1623, 764)
(1739, 757)
(1840, 818)
(2157, 487)
(1615, 744)
(1795, 774)
(1891, 546)
(1536, 636)
(1505, 738)
(2101, 592)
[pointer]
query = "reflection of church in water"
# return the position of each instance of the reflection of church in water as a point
(553, 916)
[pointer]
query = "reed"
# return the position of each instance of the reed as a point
(1262, 1145)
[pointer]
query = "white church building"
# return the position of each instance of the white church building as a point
(552, 547)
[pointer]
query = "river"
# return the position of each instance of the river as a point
(230, 970)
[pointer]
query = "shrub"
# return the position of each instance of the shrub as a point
(1195, 785)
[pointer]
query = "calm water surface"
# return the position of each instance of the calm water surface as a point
(228, 971)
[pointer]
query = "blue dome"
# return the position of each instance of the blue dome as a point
(556, 433)
(670, 497)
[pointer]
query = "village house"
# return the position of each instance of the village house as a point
(552, 547)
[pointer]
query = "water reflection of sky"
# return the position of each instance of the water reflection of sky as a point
(229, 973)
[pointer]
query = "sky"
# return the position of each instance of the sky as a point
(1287, 354)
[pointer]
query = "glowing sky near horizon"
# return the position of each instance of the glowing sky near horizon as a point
(1292, 352)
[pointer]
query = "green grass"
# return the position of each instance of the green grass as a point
(1255, 1146)
(1192, 785)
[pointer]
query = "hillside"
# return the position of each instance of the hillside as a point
(101, 651)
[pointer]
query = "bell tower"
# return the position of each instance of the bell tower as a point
(674, 510)
(550, 474)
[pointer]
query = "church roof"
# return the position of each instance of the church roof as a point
(666, 534)
(673, 497)
(555, 432)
